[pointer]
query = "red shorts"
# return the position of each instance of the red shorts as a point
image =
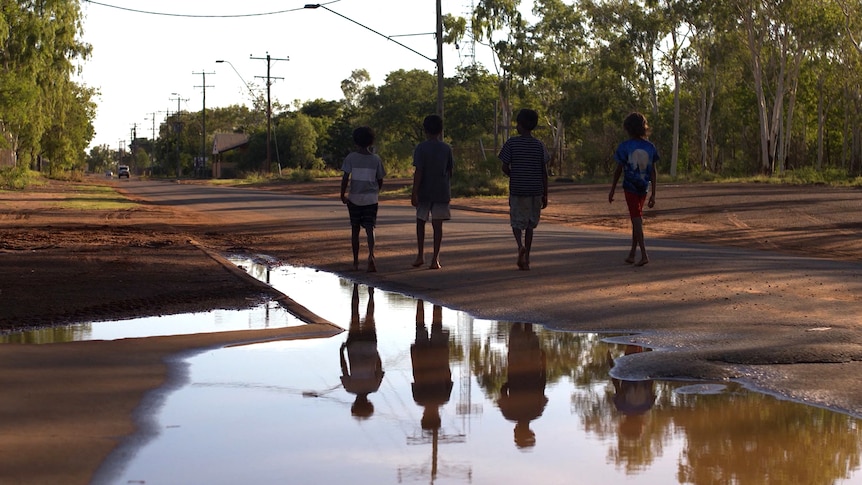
(636, 204)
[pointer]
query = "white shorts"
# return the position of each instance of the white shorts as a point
(438, 211)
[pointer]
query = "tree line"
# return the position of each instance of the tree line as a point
(730, 87)
(45, 116)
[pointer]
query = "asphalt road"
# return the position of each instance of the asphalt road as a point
(779, 323)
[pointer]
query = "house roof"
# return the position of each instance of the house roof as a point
(223, 142)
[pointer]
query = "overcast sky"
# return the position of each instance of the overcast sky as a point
(139, 59)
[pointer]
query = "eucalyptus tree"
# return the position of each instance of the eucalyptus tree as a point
(502, 17)
(559, 42)
(397, 109)
(779, 36)
(850, 51)
(39, 44)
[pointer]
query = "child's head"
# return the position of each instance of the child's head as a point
(527, 119)
(433, 125)
(363, 136)
(636, 125)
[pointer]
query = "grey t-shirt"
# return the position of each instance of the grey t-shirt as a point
(433, 158)
(365, 171)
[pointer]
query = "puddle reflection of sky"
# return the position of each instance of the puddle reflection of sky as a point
(282, 412)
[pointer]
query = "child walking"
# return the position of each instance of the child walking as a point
(363, 172)
(636, 158)
(432, 177)
(525, 162)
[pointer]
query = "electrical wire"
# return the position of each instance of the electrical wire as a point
(168, 14)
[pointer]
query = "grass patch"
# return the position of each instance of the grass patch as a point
(95, 197)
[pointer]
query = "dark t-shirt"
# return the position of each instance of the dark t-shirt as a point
(433, 158)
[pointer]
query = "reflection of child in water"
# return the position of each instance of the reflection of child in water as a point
(364, 373)
(432, 378)
(522, 397)
(632, 398)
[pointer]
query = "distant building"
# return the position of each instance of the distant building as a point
(225, 142)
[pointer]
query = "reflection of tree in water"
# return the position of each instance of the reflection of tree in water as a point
(567, 355)
(734, 437)
(760, 439)
(50, 335)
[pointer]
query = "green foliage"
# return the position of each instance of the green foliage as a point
(45, 114)
(15, 178)
(479, 183)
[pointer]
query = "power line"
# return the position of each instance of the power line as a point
(168, 14)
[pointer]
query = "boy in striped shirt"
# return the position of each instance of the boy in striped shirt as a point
(525, 162)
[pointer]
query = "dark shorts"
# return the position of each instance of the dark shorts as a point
(636, 204)
(362, 215)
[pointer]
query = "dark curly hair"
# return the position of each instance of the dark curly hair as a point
(363, 136)
(636, 125)
(528, 118)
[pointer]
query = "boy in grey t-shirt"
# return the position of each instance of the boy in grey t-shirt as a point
(433, 164)
(363, 172)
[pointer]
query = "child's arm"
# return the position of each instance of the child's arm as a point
(344, 180)
(417, 179)
(653, 179)
(545, 187)
(617, 174)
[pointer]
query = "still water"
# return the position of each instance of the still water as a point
(412, 393)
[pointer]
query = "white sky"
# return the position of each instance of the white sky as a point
(139, 60)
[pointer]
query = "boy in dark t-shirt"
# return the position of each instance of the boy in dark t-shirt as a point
(433, 164)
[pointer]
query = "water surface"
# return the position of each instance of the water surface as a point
(413, 392)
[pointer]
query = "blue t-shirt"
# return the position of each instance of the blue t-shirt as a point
(637, 157)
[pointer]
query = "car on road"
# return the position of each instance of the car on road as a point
(123, 171)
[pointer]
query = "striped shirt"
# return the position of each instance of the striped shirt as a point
(527, 159)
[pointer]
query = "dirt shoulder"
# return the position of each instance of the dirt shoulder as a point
(62, 266)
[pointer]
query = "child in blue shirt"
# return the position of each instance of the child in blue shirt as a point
(636, 158)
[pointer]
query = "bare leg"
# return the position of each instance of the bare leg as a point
(522, 252)
(437, 224)
(420, 243)
(528, 244)
(354, 241)
(638, 240)
(369, 232)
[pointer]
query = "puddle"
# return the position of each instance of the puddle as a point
(453, 399)
(268, 315)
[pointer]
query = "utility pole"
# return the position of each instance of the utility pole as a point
(134, 135)
(439, 60)
(204, 121)
(178, 127)
(269, 79)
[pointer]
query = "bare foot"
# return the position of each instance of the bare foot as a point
(356, 266)
(642, 262)
(372, 268)
(435, 265)
(419, 262)
(630, 259)
(522, 257)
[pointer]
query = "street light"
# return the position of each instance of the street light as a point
(438, 61)
(250, 91)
